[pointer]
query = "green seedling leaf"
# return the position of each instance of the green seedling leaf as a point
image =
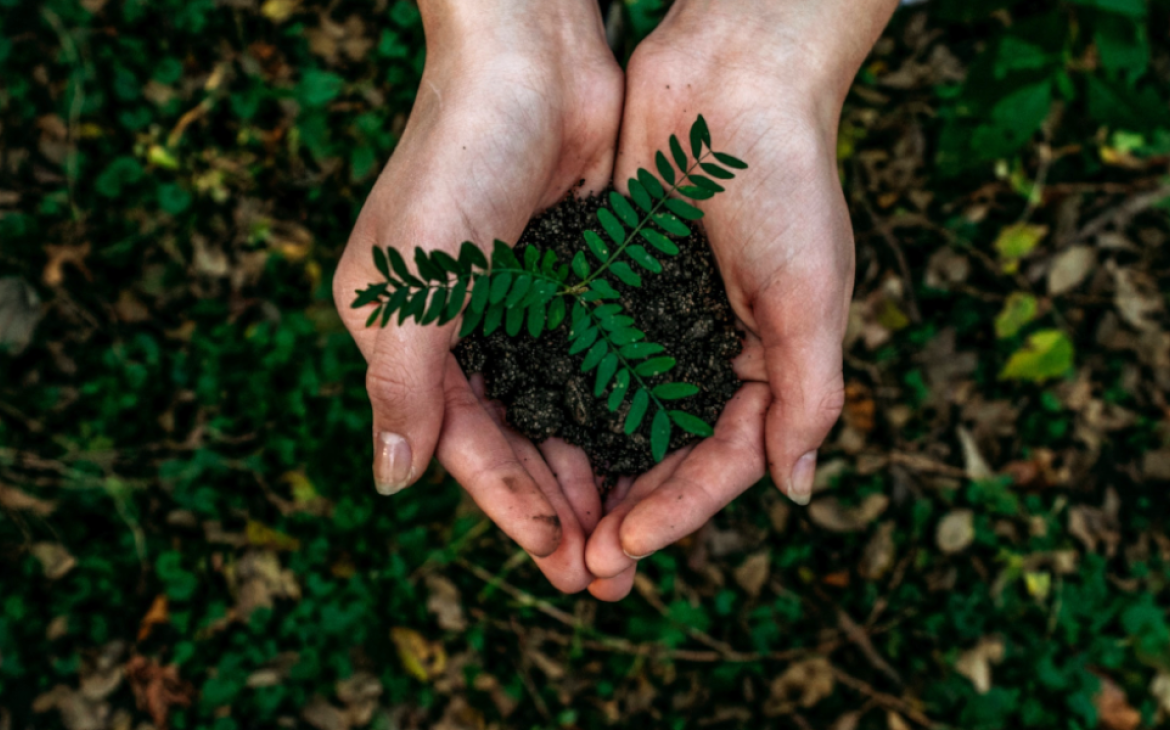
(640, 196)
(373, 315)
(716, 171)
(664, 168)
(695, 192)
(444, 261)
(397, 299)
(503, 257)
(612, 226)
(1017, 241)
(399, 265)
(597, 246)
(639, 350)
(659, 241)
(531, 258)
(604, 289)
(651, 183)
(536, 319)
(470, 255)
(519, 289)
(556, 313)
(426, 269)
(706, 183)
(500, 284)
(480, 291)
(606, 312)
(437, 306)
(455, 302)
(732, 162)
(549, 264)
(471, 320)
(697, 138)
(655, 366)
(594, 356)
(605, 371)
(621, 384)
(683, 209)
(514, 321)
(644, 259)
(413, 309)
(659, 435)
(494, 318)
(692, 424)
(628, 276)
(675, 391)
(380, 262)
(637, 411)
(1018, 311)
(387, 313)
(1047, 354)
(672, 225)
(621, 338)
(369, 294)
(676, 151)
(580, 265)
(624, 210)
(584, 341)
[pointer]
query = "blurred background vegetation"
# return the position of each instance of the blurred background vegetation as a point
(188, 533)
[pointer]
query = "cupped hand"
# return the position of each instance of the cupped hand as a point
(782, 238)
(519, 103)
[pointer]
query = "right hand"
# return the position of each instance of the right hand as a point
(520, 102)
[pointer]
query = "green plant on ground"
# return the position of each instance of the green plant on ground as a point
(535, 293)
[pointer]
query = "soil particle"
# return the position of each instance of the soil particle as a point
(684, 308)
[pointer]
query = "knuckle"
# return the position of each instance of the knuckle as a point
(389, 387)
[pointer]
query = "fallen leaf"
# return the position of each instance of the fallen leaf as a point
(1113, 709)
(1047, 354)
(859, 407)
(878, 556)
(975, 663)
(360, 695)
(77, 713)
(260, 580)
(59, 257)
(445, 602)
(1136, 297)
(157, 689)
(424, 660)
(894, 721)
(1069, 269)
(1017, 241)
(20, 312)
(1018, 311)
(279, 11)
(261, 535)
(1094, 525)
(324, 716)
(830, 514)
(802, 685)
(101, 671)
(156, 616)
(54, 558)
(753, 573)
(1160, 690)
(974, 463)
(15, 500)
(956, 531)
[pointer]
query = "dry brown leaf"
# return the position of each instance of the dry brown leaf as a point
(753, 573)
(16, 500)
(878, 556)
(830, 514)
(20, 312)
(802, 685)
(1136, 297)
(59, 257)
(956, 531)
(157, 689)
(973, 461)
(324, 716)
(894, 721)
(859, 407)
(1156, 465)
(445, 602)
(459, 715)
(156, 616)
(77, 713)
(101, 672)
(975, 663)
(54, 558)
(1093, 525)
(1069, 269)
(1160, 690)
(1113, 709)
(260, 580)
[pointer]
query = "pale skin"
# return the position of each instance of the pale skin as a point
(519, 102)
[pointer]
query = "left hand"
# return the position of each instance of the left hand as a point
(782, 237)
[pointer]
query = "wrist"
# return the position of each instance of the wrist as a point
(491, 27)
(814, 47)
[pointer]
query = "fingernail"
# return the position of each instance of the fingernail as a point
(392, 470)
(800, 484)
(639, 557)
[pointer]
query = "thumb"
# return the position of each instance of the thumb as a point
(405, 385)
(801, 334)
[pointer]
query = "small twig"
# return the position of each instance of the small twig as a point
(886, 701)
(1122, 213)
(860, 639)
(891, 240)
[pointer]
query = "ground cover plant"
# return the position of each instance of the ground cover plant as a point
(542, 292)
(187, 538)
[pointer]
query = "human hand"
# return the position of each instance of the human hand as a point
(770, 78)
(520, 102)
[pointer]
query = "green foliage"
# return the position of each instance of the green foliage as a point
(532, 295)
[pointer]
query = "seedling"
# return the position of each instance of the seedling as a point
(540, 293)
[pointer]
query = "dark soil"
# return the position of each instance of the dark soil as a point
(544, 392)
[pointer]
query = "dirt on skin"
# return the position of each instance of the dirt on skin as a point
(684, 308)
